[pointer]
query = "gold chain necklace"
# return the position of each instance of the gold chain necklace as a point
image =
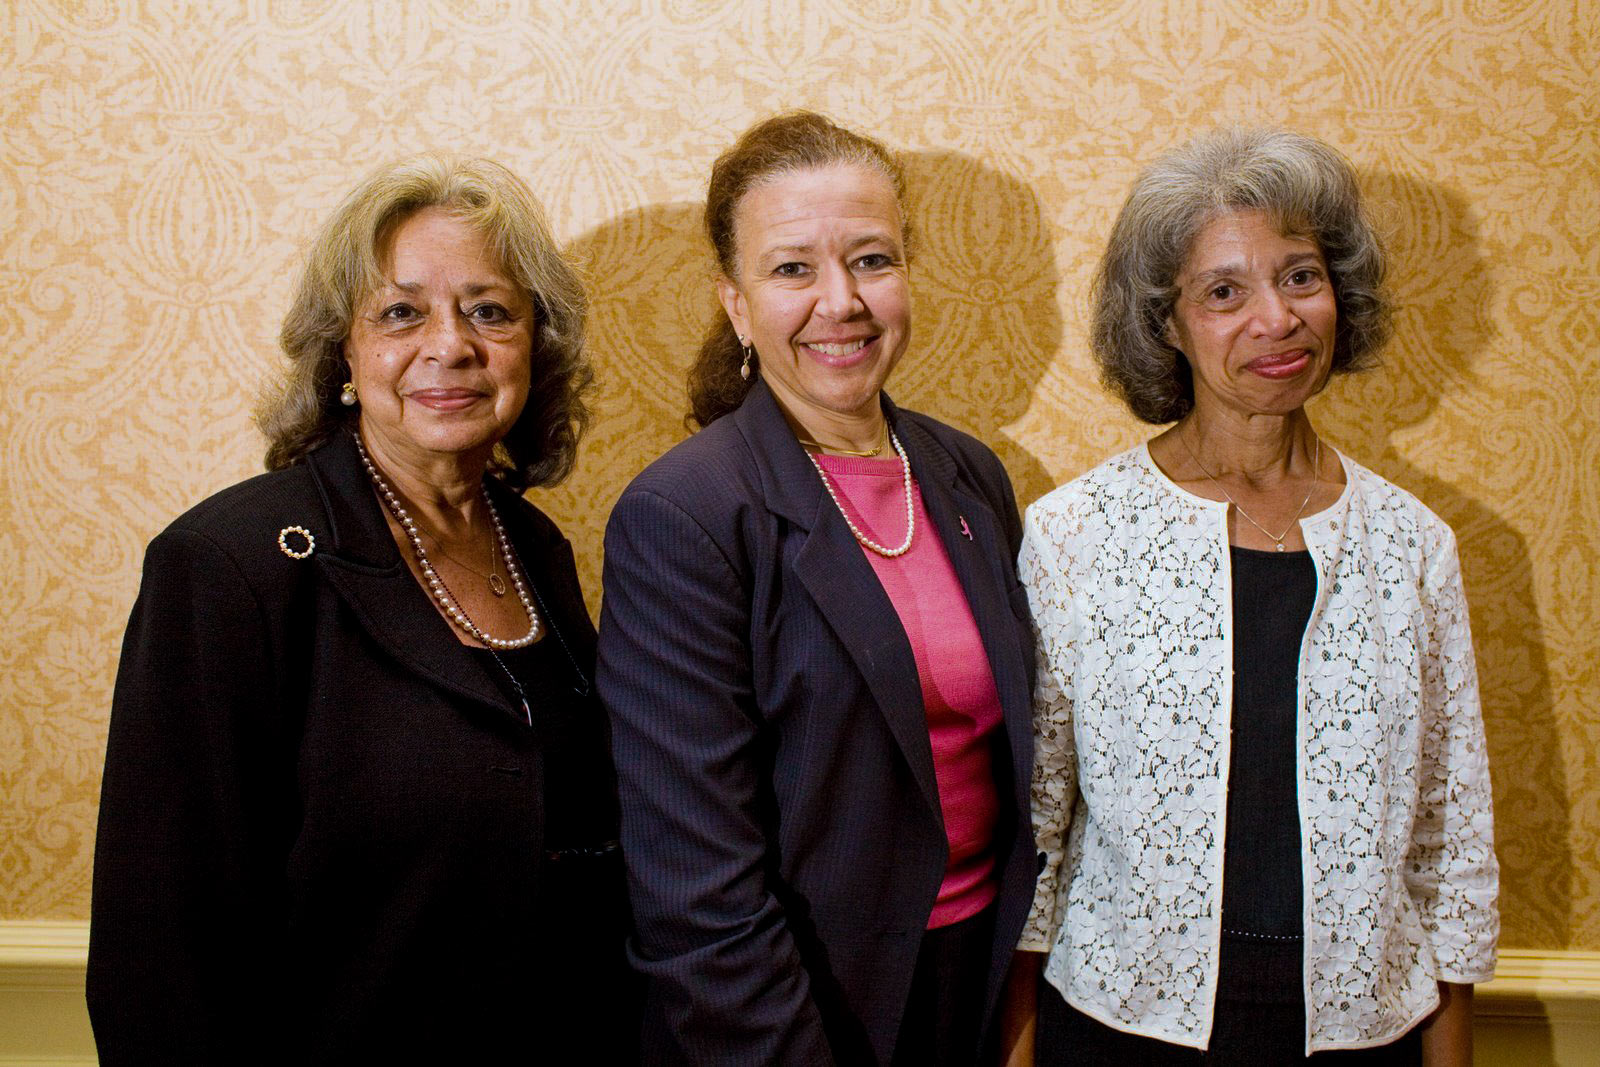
(882, 440)
(1277, 539)
(497, 584)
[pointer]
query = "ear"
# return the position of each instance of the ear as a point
(733, 303)
(1170, 333)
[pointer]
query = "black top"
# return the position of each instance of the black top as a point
(579, 793)
(1273, 593)
(325, 832)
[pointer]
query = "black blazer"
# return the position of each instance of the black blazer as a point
(321, 825)
(781, 821)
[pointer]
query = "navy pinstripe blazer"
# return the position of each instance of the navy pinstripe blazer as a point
(781, 819)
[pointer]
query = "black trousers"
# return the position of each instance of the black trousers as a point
(943, 1021)
(1259, 1022)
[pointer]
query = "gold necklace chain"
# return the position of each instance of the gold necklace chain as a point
(1316, 469)
(882, 440)
(497, 584)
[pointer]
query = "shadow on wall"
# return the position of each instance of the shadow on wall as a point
(648, 276)
(985, 326)
(987, 318)
(1443, 287)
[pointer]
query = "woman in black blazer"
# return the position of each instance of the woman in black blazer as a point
(358, 804)
(816, 656)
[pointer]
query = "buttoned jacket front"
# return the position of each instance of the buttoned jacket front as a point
(781, 817)
(322, 829)
(1129, 584)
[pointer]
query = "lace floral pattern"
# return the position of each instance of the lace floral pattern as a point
(1129, 584)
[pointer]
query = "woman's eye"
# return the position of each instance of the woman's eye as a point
(489, 313)
(1304, 278)
(1222, 293)
(873, 261)
(789, 270)
(398, 313)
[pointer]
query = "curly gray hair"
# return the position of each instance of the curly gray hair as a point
(1306, 187)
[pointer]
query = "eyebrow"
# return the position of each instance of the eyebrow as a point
(802, 249)
(1228, 269)
(470, 289)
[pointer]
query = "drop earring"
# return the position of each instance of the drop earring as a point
(744, 368)
(347, 395)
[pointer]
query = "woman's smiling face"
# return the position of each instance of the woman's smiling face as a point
(441, 352)
(1255, 317)
(822, 289)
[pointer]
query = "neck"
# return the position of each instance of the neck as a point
(443, 490)
(861, 432)
(1252, 446)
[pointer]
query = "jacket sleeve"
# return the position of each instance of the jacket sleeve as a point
(183, 902)
(1452, 872)
(1055, 761)
(726, 981)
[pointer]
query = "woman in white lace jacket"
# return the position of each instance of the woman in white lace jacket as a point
(1260, 786)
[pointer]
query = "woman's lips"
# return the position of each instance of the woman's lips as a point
(841, 353)
(445, 399)
(1280, 364)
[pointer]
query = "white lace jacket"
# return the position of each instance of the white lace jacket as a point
(1128, 578)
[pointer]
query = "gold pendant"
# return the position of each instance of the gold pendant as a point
(497, 584)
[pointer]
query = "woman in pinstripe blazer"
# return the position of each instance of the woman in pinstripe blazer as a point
(817, 658)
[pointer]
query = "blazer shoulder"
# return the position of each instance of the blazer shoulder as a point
(709, 472)
(960, 444)
(246, 521)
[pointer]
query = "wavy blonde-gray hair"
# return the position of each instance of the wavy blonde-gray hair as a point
(302, 410)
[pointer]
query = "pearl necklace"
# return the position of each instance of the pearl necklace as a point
(436, 584)
(911, 515)
(1316, 468)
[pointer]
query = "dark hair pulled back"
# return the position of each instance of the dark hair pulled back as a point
(783, 144)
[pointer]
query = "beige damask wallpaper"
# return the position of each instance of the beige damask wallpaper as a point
(162, 163)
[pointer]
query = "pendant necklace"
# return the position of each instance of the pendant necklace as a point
(1277, 539)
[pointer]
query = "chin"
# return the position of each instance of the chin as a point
(458, 440)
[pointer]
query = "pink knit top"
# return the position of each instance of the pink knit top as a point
(958, 691)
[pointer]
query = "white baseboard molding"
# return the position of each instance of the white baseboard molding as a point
(43, 1019)
(1542, 1009)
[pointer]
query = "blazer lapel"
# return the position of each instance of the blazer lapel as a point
(365, 567)
(842, 583)
(980, 554)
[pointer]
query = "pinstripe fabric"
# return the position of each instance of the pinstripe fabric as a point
(780, 814)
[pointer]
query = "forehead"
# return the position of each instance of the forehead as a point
(806, 203)
(1241, 240)
(434, 239)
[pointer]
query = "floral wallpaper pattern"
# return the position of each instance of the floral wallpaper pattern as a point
(163, 163)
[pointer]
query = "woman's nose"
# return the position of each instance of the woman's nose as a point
(446, 339)
(841, 294)
(1274, 314)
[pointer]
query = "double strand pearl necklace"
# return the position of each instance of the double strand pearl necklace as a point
(1277, 539)
(911, 515)
(436, 584)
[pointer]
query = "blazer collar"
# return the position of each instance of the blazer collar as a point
(364, 565)
(789, 482)
(846, 590)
